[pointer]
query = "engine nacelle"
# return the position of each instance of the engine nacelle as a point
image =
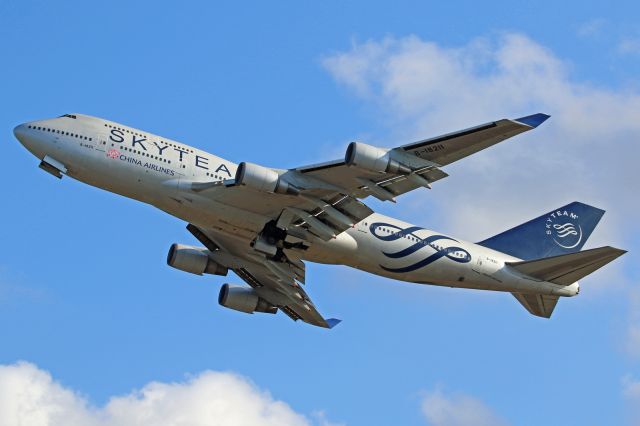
(373, 159)
(263, 179)
(194, 260)
(244, 299)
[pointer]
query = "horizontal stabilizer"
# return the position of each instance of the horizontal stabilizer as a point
(567, 268)
(539, 305)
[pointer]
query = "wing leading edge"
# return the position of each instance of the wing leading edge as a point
(439, 151)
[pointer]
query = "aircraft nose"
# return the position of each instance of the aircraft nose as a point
(24, 134)
(20, 132)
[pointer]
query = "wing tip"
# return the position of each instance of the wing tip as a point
(332, 322)
(618, 252)
(533, 120)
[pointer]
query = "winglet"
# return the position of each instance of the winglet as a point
(533, 120)
(332, 322)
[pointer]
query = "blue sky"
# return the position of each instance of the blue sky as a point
(86, 296)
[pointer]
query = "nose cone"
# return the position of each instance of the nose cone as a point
(34, 143)
(20, 133)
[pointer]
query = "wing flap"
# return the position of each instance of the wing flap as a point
(400, 184)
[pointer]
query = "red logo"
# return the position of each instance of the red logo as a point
(113, 153)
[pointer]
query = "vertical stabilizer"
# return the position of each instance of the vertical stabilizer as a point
(561, 231)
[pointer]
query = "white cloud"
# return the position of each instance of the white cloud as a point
(632, 338)
(458, 410)
(30, 397)
(13, 290)
(629, 46)
(592, 28)
(631, 395)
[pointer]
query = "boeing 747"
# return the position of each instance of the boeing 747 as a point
(263, 223)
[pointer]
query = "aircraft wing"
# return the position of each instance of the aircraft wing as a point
(423, 157)
(323, 199)
(277, 282)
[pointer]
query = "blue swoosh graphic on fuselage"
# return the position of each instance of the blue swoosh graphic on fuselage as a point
(418, 245)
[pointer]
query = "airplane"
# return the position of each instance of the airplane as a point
(263, 223)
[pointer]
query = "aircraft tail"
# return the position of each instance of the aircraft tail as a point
(561, 231)
(549, 247)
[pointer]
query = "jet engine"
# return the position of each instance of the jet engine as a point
(194, 260)
(263, 179)
(244, 299)
(373, 159)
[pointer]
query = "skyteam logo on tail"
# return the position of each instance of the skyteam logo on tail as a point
(388, 232)
(563, 227)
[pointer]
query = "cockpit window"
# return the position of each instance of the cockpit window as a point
(69, 115)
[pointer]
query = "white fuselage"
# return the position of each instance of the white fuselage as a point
(156, 171)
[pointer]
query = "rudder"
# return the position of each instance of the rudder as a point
(561, 231)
